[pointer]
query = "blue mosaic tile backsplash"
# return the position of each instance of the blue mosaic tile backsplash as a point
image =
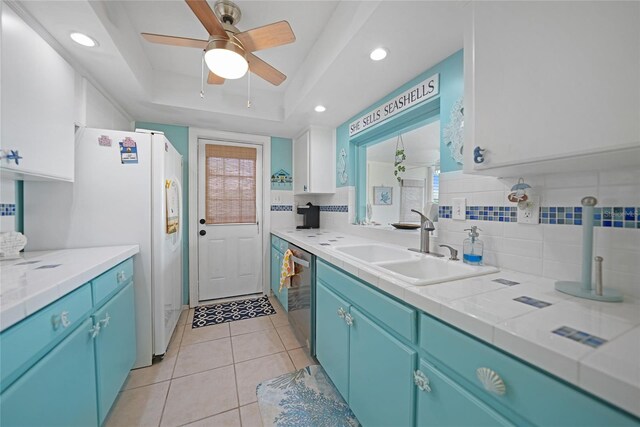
(334, 208)
(7, 209)
(326, 208)
(617, 217)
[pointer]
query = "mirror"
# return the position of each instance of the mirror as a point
(414, 158)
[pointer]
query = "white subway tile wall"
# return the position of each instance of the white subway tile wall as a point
(548, 250)
(551, 250)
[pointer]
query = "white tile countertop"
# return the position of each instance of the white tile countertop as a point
(487, 310)
(37, 279)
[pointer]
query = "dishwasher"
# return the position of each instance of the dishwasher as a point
(301, 298)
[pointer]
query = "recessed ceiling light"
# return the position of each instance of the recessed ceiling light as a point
(320, 109)
(83, 39)
(378, 54)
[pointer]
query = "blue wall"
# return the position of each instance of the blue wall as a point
(281, 158)
(451, 89)
(179, 137)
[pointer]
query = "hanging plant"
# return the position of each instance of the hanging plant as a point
(399, 168)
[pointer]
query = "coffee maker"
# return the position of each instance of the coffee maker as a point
(310, 216)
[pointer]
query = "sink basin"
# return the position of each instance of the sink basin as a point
(376, 253)
(427, 270)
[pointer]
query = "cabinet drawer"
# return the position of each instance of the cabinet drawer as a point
(394, 315)
(116, 278)
(26, 341)
(279, 244)
(536, 396)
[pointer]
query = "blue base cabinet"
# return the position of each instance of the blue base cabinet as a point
(397, 367)
(59, 390)
(65, 364)
(278, 248)
(332, 337)
(381, 390)
(115, 347)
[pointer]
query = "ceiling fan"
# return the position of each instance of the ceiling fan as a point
(228, 50)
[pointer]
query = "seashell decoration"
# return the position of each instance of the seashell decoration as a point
(491, 381)
(11, 244)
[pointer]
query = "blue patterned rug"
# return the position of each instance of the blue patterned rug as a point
(305, 398)
(213, 314)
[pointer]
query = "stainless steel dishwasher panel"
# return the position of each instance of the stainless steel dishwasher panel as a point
(301, 298)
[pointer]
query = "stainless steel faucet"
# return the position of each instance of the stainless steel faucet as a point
(426, 227)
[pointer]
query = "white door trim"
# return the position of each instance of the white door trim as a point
(194, 135)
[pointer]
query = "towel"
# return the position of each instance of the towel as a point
(287, 270)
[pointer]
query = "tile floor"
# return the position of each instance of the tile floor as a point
(209, 375)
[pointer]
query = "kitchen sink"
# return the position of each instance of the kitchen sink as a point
(427, 270)
(376, 253)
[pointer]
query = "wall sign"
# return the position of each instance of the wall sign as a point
(415, 95)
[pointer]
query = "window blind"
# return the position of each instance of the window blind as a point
(230, 184)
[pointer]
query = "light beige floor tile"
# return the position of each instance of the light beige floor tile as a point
(250, 415)
(288, 337)
(205, 333)
(160, 371)
(226, 419)
(198, 396)
(300, 358)
(250, 325)
(184, 315)
(256, 344)
(139, 407)
(203, 356)
(251, 373)
(190, 316)
(280, 318)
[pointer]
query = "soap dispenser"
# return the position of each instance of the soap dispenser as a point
(473, 247)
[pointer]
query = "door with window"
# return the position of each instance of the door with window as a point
(229, 215)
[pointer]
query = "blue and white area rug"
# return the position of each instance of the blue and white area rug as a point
(214, 314)
(305, 398)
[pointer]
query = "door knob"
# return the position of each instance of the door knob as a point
(203, 232)
(202, 221)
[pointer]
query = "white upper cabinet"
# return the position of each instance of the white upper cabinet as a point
(37, 105)
(314, 163)
(552, 86)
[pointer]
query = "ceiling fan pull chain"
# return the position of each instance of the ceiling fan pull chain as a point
(249, 89)
(202, 76)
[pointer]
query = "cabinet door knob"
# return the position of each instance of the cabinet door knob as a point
(105, 322)
(348, 319)
(341, 313)
(12, 155)
(121, 277)
(95, 330)
(491, 381)
(60, 320)
(478, 155)
(421, 381)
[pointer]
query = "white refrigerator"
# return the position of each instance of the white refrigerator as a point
(127, 190)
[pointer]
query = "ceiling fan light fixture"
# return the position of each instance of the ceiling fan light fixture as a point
(83, 39)
(378, 54)
(320, 109)
(226, 59)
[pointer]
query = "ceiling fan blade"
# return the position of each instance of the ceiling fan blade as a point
(264, 70)
(205, 15)
(214, 79)
(174, 41)
(271, 35)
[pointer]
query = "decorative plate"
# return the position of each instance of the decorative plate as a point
(406, 226)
